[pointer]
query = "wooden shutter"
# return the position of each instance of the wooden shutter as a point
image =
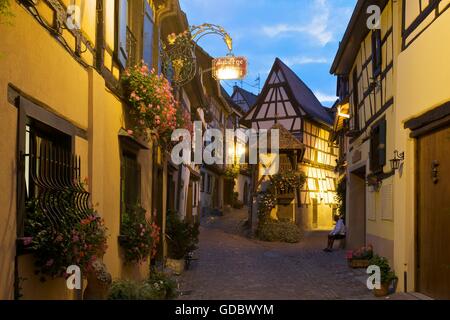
(355, 100)
(122, 23)
(382, 145)
(376, 52)
(148, 35)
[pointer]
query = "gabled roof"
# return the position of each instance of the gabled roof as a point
(230, 101)
(287, 140)
(355, 33)
(249, 97)
(304, 96)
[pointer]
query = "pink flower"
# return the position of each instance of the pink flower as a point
(75, 238)
(49, 263)
(27, 241)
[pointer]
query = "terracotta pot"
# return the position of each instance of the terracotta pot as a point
(383, 291)
(98, 283)
(95, 289)
(176, 266)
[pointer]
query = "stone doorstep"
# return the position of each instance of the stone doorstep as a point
(419, 296)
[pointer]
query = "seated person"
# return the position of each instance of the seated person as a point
(337, 234)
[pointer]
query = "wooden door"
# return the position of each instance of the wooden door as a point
(433, 220)
(189, 207)
(315, 213)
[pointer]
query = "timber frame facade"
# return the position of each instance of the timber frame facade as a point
(399, 107)
(285, 100)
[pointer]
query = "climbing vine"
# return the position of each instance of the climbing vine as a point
(5, 11)
(340, 196)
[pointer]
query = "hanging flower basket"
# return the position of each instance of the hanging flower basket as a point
(153, 107)
(285, 199)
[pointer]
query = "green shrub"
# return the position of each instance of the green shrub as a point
(279, 231)
(387, 275)
(158, 286)
(163, 285)
(5, 11)
(124, 290)
(182, 237)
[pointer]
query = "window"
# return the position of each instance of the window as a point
(355, 100)
(376, 53)
(208, 183)
(148, 35)
(133, 29)
(342, 89)
(130, 181)
(202, 182)
(41, 141)
(378, 147)
(47, 169)
(122, 34)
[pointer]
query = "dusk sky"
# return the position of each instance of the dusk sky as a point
(305, 34)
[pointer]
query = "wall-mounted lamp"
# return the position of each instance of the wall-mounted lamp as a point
(398, 159)
(343, 111)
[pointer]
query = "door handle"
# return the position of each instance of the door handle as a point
(435, 171)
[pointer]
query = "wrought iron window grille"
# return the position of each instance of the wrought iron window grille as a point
(131, 48)
(54, 180)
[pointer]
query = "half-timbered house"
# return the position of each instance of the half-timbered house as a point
(287, 101)
(243, 98)
(394, 106)
(364, 65)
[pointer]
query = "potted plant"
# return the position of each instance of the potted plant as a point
(139, 238)
(388, 276)
(360, 258)
(182, 239)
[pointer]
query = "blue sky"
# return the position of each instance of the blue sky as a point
(305, 34)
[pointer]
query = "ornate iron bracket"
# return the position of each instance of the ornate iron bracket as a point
(178, 55)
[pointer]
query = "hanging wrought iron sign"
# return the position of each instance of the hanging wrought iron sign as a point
(229, 68)
(179, 61)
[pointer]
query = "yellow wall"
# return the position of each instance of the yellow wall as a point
(34, 62)
(379, 229)
(423, 83)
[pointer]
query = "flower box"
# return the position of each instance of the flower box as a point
(285, 199)
(358, 263)
(360, 258)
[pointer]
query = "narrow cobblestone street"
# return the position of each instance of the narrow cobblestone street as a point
(231, 266)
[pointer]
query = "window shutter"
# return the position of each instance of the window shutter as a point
(138, 182)
(148, 35)
(382, 145)
(376, 52)
(122, 23)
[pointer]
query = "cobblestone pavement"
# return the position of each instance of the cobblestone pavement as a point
(231, 266)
